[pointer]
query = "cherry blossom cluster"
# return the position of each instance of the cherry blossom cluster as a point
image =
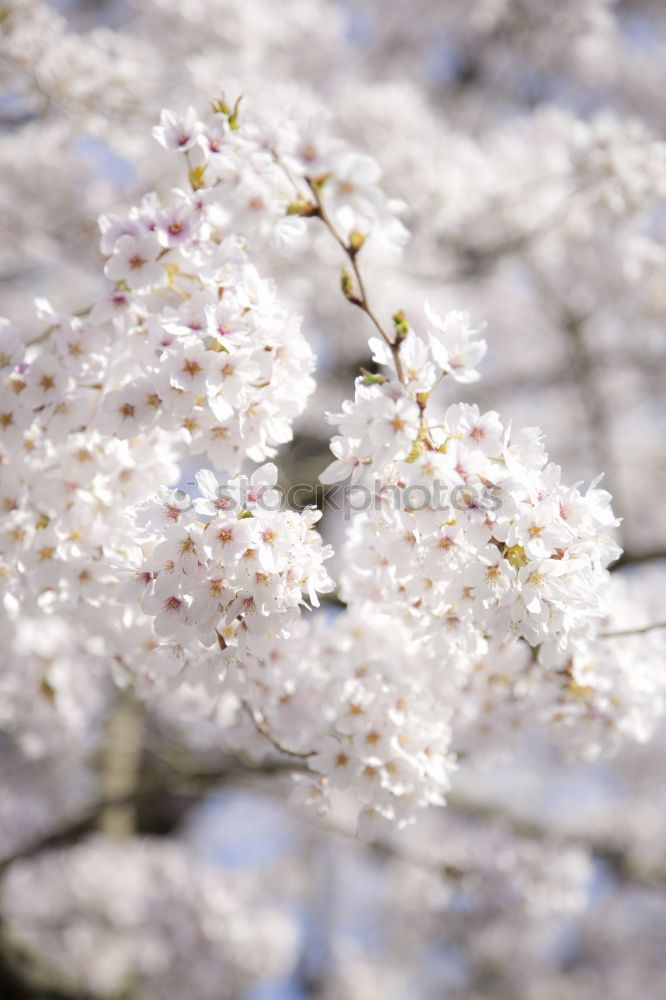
(384, 718)
(267, 173)
(388, 745)
(211, 353)
(234, 580)
(63, 526)
(101, 917)
(476, 535)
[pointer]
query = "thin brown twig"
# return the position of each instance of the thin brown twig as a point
(262, 728)
(359, 296)
(632, 631)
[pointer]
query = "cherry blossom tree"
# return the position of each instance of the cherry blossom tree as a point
(291, 576)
